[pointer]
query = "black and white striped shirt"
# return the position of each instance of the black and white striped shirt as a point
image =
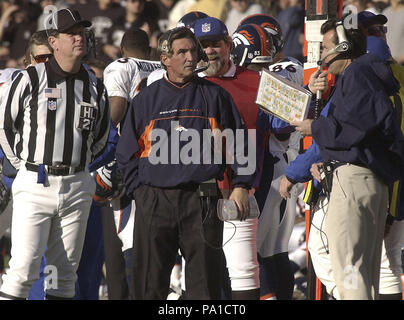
(52, 117)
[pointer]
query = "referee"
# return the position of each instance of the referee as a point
(56, 121)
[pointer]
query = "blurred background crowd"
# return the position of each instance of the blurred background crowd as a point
(111, 18)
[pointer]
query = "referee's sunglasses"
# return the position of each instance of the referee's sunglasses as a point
(42, 57)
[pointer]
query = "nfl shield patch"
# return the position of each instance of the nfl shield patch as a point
(52, 104)
(206, 27)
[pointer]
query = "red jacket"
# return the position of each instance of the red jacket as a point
(242, 86)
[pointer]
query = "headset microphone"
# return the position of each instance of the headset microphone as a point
(202, 56)
(202, 68)
(205, 65)
(343, 45)
(339, 48)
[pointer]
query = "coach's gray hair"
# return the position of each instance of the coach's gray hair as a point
(166, 39)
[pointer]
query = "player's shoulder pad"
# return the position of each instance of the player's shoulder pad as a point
(146, 65)
(155, 75)
(121, 64)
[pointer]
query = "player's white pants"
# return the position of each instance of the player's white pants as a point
(53, 216)
(124, 218)
(273, 233)
(318, 247)
(241, 254)
(390, 270)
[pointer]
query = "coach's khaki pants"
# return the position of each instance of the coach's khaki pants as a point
(354, 226)
(390, 268)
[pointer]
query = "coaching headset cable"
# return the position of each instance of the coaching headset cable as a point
(321, 230)
(208, 213)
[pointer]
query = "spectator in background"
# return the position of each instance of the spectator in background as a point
(291, 19)
(395, 27)
(59, 4)
(360, 5)
(375, 7)
(103, 14)
(213, 8)
(180, 9)
(160, 10)
(7, 9)
(17, 24)
(134, 18)
(74, 2)
(270, 7)
(239, 10)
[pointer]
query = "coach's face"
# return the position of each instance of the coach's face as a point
(335, 63)
(70, 44)
(182, 62)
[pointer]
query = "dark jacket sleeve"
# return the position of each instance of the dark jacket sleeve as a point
(126, 150)
(360, 111)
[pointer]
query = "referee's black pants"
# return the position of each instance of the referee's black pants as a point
(167, 220)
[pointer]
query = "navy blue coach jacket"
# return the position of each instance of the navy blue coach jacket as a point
(361, 126)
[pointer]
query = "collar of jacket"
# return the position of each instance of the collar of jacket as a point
(59, 74)
(229, 74)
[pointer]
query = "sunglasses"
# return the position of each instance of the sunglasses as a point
(42, 57)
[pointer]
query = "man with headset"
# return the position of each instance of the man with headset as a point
(176, 197)
(299, 170)
(363, 150)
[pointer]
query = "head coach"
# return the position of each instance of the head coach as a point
(176, 199)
